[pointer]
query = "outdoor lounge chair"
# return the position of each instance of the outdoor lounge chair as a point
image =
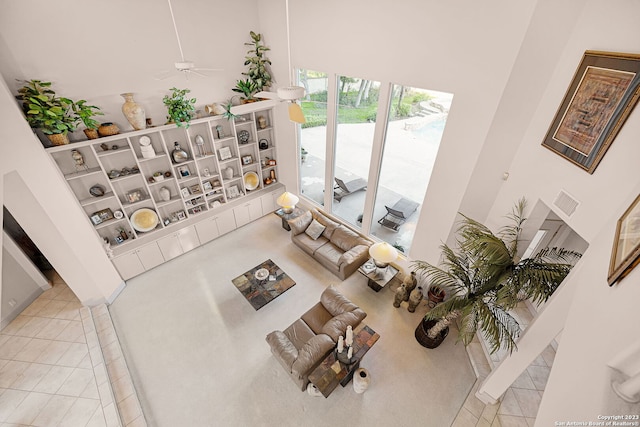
(398, 214)
(343, 189)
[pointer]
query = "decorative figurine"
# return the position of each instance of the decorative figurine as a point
(178, 154)
(79, 159)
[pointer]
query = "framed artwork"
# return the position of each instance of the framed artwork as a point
(195, 189)
(185, 192)
(184, 171)
(101, 216)
(604, 90)
(134, 195)
(207, 185)
(225, 153)
(181, 215)
(247, 160)
(626, 244)
(233, 192)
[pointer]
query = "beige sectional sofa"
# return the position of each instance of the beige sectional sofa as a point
(304, 344)
(332, 244)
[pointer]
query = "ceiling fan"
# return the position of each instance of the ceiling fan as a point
(289, 93)
(183, 66)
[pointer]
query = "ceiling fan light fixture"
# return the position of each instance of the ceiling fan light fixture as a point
(185, 65)
(295, 113)
(291, 92)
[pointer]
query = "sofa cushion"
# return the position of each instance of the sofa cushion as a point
(316, 317)
(299, 333)
(329, 224)
(315, 229)
(283, 349)
(336, 303)
(337, 326)
(312, 354)
(353, 254)
(299, 224)
(329, 252)
(344, 238)
(307, 243)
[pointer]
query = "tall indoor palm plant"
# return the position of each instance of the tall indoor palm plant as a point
(486, 280)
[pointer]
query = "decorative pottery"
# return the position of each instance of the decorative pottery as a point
(243, 136)
(144, 220)
(133, 112)
(262, 122)
(422, 334)
(165, 194)
(59, 138)
(97, 190)
(178, 154)
(401, 295)
(108, 129)
(435, 295)
(91, 133)
(228, 173)
(361, 380)
(414, 299)
(251, 180)
(410, 282)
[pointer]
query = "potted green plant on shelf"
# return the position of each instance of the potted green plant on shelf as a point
(180, 108)
(258, 64)
(44, 110)
(247, 88)
(485, 280)
(227, 110)
(86, 114)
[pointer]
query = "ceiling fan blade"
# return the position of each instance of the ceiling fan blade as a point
(197, 73)
(164, 75)
(267, 95)
(208, 69)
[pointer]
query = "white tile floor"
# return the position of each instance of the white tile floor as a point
(46, 374)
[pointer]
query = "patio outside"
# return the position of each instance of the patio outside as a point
(409, 154)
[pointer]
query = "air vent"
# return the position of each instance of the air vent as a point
(566, 203)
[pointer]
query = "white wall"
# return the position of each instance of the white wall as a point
(17, 286)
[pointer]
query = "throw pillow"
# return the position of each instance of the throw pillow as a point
(299, 224)
(315, 229)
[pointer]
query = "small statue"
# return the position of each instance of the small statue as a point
(79, 159)
(401, 295)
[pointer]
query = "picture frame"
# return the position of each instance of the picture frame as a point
(271, 162)
(181, 215)
(185, 192)
(184, 171)
(600, 97)
(225, 153)
(206, 185)
(625, 254)
(134, 196)
(233, 192)
(215, 183)
(247, 160)
(101, 216)
(195, 189)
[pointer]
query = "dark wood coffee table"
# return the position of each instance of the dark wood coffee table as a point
(332, 372)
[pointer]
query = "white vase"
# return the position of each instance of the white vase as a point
(133, 112)
(361, 380)
(228, 173)
(165, 194)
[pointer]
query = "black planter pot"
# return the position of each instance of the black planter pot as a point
(423, 338)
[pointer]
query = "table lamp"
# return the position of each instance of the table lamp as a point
(382, 254)
(287, 201)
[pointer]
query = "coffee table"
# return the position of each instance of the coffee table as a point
(377, 277)
(260, 291)
(332, 372)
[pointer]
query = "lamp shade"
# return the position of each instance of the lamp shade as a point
(383, 252)
(287, 201)
(296, 114)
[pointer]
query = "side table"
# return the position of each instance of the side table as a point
(287, 216)
(377, 277)
(332, 372)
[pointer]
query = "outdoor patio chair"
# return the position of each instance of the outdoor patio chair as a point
(342, 189)
(398, 214)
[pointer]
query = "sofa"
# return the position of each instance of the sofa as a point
(304, 344)
(334, 245)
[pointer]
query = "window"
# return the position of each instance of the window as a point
(313, 135)
(381, 142)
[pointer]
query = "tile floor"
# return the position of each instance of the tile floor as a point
(46, 373)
